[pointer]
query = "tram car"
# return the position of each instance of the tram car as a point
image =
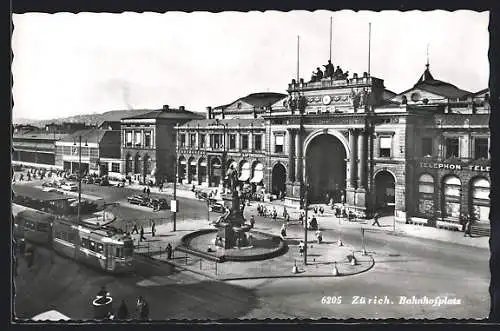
(33, 225)
(106, 248)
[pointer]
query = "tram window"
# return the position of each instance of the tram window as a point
(92, 245)
(100, 248)
(72, 237)
(42, 227)
(85, 243)
(119, 252)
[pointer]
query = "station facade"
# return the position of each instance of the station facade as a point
(422, 153)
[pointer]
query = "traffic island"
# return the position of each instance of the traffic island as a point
(260, 246)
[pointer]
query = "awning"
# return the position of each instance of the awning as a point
(258, 173)
(193, 163)
(203, 163)
(245, 172)
(183, 161)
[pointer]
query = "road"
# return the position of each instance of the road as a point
(404, 266)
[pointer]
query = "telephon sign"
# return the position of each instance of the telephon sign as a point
(450, 166)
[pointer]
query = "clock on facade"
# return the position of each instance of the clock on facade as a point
(326, 100)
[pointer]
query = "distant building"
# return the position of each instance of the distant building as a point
(231, 135)
(65, 127)
(100, 152)
(35, 149)
(148, 143)
(20, 128)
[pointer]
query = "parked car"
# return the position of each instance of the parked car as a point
(50, 184)
(88, 180)
(138, 200)
(201, 195)
(49, 189)
(70, 187)
(104, 181)
(158, 204)
(120, 184)
(72, 177)
(216, 207)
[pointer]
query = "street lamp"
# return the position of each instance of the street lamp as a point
(80, 173)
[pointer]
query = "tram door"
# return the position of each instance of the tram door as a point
(110, 260)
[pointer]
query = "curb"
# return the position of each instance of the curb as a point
(183, 268)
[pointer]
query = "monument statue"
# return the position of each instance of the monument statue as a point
(329, 69)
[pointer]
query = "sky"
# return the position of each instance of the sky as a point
(67, 64)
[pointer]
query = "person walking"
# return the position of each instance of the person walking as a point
(141, 238)
(283, 231)
(122, 312)
(153, 228)
(142, 308)
(169, 251)
(252, 222)
(319, 236)
(144, 190)
(468, 225)
(301, 247)
(275, 214)
(148, 191)
(135, 229)
(376, 216)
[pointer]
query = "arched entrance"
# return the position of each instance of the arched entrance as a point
(480, 200)
(129, 164)
(325, 167)
(146, 167)
(202, 173)
(181, 169)
(191, 170)
(451, 197)
(385, 186)
(278, 179)
(216, 171)
(137, 164)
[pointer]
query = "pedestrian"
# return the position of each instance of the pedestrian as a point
(283, 231)
(142, 308)
(275, 214)
(301, 218)
(169, 251)
(135, 229)
(285, 212)
(122, 312)
(468, 225)
(301, 247)
(375, 219)
(287, 218)
(252, 222)
(148, 191)
(319, 236)
(321, 210)
(315, 209)
(141, 238)
(313, 225)
(160, 187)
(153, 228)
(144, 190)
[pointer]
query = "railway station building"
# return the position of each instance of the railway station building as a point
(422, 154)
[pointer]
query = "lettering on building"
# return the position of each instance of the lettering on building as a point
(450, 166)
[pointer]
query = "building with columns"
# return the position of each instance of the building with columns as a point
(422, 154)
(148, 143)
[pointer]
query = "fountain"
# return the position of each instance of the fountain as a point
(232, 230)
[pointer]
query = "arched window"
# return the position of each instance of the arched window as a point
(129, 164)
(426, 195)
(137, 164)
(480, 199)
(452, 191)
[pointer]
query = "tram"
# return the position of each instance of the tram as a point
(106, 248)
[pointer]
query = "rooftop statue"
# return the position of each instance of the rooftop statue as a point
(338, 74)
(329, 69)
(319, 73)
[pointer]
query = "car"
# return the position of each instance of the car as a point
(72, 177)
(50, 184)
(217, 207)
(104, 181)
(158, 203)
(50, 189)
(88, 180)
(201, 195)
(138, 200)
(120, 184)
(70, 187)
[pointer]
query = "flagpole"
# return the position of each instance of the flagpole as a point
(330, 38)
(298, 57)
(369, 45)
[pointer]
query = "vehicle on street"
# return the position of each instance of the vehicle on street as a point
(216, 207)
(70, 187)
(50, 184)
(104, 181)
(72, 177)
(201, 195)
(88, 180)
(138, 200)
(158, 203)
(50, 189)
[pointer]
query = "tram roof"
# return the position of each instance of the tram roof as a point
(35, 193)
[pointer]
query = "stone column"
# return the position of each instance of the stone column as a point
(362, 156)
(298, 156)
(291, 156)
(352, 158)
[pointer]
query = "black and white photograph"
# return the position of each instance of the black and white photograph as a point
(250, 165)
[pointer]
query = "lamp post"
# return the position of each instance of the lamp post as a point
(79, 174)
(173, 203)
